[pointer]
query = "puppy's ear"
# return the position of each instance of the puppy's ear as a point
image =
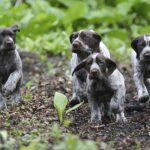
(111, 66)
(134, 45)
(79, 66)
(73, 36)
(97, 37)
(15, 28)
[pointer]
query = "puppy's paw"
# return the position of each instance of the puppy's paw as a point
(143, 98)
(95, 120)
(3, 104)
(120, 119)
(16, 101)
(74, 101)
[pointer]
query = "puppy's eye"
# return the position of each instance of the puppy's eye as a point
(101, 63)
(142, 44)
(75, 36)
(11, 34)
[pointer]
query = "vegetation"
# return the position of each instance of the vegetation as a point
(50, 22)
(45, 29)
(60, 104)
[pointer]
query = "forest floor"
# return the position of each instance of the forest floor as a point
(37, 112)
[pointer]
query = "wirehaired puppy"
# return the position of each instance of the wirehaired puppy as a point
(140, 58)
(105, 87)
(10, 67)
(83, 44)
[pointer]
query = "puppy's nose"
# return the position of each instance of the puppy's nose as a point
(9, 42)
(147, 54)
(76, 44)
(94, 72)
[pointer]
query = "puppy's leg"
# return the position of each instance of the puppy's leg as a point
(143, 94)
(11, 83)
(117, 102)
(117, 107)
(96, 116)
(147, 83)
(15, 97)
(78, 91)
(107, 110)
(2, 102)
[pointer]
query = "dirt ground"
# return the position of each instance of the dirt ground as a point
(44, 82)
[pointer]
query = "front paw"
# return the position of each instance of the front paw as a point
(15, 101)
(3, 104)
(74, 101)
(143, 98)
(95, 120)
(120, 118)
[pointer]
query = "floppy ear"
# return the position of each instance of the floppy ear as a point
(111, 65)
(15, 28)
(79, 66)
(97, 36)
(134, 45)
(72, 36)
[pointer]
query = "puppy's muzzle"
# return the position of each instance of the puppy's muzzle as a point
(94, 73)
(9, 44)
(146, 55)
(76, 45)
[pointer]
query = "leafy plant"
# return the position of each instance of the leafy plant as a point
(60, 103)
(27, 96)
(50, 22)
(6, 142)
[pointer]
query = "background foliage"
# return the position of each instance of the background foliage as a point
(46, 24)
(45, 29)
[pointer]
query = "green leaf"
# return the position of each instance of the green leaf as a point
(4, 135)
(60, 103)
(35, 145)
(74, 107)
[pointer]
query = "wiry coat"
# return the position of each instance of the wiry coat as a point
(105, 87)
(10, 67)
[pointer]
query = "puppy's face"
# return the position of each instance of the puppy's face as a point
(97, 66)
(85, 42)
(141, 45)
(8, 38)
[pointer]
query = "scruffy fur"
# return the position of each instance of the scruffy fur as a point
(140, 58)
(10, 67)
(105, 88)
(83, 44)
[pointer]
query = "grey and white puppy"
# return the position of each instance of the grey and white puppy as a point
(83, 44)
(141, 66)
(105, 87)
(10, 66)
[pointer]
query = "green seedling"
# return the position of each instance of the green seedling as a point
(60, 104)
(27, 95)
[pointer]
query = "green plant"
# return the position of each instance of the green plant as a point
(6, 142)
(27, 97)
(69, 141)
(50, 22)
(60, 103)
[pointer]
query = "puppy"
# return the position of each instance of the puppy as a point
(140, 58)
(105, 87)
(83, 44)
(10, 66)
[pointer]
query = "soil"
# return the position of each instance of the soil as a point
(37, 107)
